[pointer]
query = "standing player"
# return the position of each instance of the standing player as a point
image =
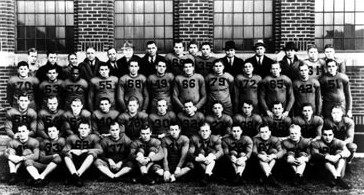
(278, 124)
(74, 87)
(150, 60)
(175, 148)
(189, 86)
(103, 117)
(114, 161)
(237, 149)
(133, 84)
(51, 116)
(248, 120)
(72, 62)
(220, 123)
(232, 63)
(193, 48)
(50, 87)
(335, 89)
(129, 56)
(298, 153)
(80, 151)
(160, 86)
(205, 150)
(246, 87)
(219, 87)
(205, 62)
(190, 119)
(22, 83)
(133, 120)
(329, 52)
(290, 61)
(261, 62)
(315, 64)
(268, 150)
(161, 121)
(32, 61)
(306, 90)
(311, 125)
(175, 61)
(102, 86)
(22, 114)
(276, 87)
(331, 153)
(49, 157)
(73, 117)
(20, 151)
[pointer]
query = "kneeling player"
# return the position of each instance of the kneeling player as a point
(175, 148)
(238, 149)
(333, 153)
(115, 162)
(49, 158)
(81, 149)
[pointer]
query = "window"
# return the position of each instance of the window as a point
(244, 21)
(340, 22)
(45, 25)
(143, 20)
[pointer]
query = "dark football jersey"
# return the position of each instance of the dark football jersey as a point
(17, 86)
(249, 124)
(190, 124)
(101, 121)
(220, 126)
(160, 123)
(309, 129)
(189, 88)
(118, 150)
(71, 122)
(133, 86)
(307, 92)
(243, 145)
(102, 87)
(14, 117)
(177, 151)
(279, 127)
(133, 124)
(46, 118)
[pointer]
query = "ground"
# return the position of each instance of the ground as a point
(314, 186)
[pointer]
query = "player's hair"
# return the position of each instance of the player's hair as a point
(188, 101)
(24, 94)
(114, 122)
(217, 102)
(70, 54)
(52, 97)
(104, 98)
(145, 127)
(52, 68)
(337, 106)
(133, 98)
(264, 124)
(313, 46)
(175, 123)
(104, 64)
(302, 64)
(331, 60)
(23, 63)
(329, 46)
(217, 61)
(32, 50)
(75, 68)
(249, 102)
(21, 124)
(236, 124)
(275, 62)
(188, 61)
(110, 48)
(151, 42)
(161, 99)
(50, 125)
(76, 99)
(90, 47)
(205, 43)
(247, 62)
(306, 104)
(50, 52)
(162, 60)
(176, 41)
(133, 60)
(205, 124)
(276, 103)
(84, 122)
(192, 42)
(294, 126)
(327, 129)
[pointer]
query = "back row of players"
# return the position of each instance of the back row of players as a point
(212, 90)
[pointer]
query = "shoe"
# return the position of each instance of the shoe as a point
(273, 182)
(145, 179)
(29, 182)
(12, 179)
(342, 183)
(205, 180)
(38, 183)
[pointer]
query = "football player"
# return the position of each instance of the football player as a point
(73, 117)
(311, 125)
(220, 123)
(175, 60)
(160, 121)
(278, 125)
(315, 64)
(103, 117)
(52, 86)
(248, 121)
(205, 62)
(190, 119)
(75, 87)
(50, 116)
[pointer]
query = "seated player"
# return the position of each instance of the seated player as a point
(190, 119)
(22, 114)
(237, 150)
(103, 117)
(114, 162)
(205, 150)
(220, 123)
(147, 153)
(50, 87)
(175, 148)
(73, 117)
(133, 120)
(80, 151)
(160, 121)
(297, 152)
(331, 153)
(268, 150)
(278, 124)
(49, 158)
(311, 125)
(20, 151)
(50, 116)
(248, 121)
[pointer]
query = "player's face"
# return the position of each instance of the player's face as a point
(218, 68)
(115, 131)
(90, 54)
(332, 68)
(275, 70)
(189, 108)
(248, 69)
(52, 104)
(260, 50)
(178, 48)
(104, 71)
(161, 68)
(205, 132)
(52, 75)
(162, 107)
(174, 131)
(84, 130)
(230, 53)
(152, 49)
(327, 136)
(133, 68)
(265, 133)
(290, 53)
(53, 133)
(52, 58)
(294, 134)
(32, 57)
(76, 107)
(145, 134)
(105, 106)
(133, 107)
(247, 109)
(23, 71)
(23, 102)
(307, 112)
(206, 50)
(277, 110)
(193, 49)
(188, 69)
(330, 53)
(313, 54)
(111, 54)
(236, 132)
(337, 114)
(217, 109)
(73, 60)
(128, 52)
(75, 74)
(23, 133)
(304, 71)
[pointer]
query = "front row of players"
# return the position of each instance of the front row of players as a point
(149, 160)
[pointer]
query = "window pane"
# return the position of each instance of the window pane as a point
(218, 19)
(159, 19)
(119, 7)
(268, 31)
(168, 33)
(129, 32)
(349, 5)
(41, 44)
(268, 19)
(319, 31)
(258, 6)
(51, 19)
(149, 32)
(30, 7)
(328, 18)
(319, 5)
(40, 7)
(168, 6)
(119, 19)
(138, 32)
(238, 32)
(159, 32)
(349, 18)
(359, 18)
(69, 7)
(228, 6)
(339, 31)
(40, 19)
(218, 6)
(21, 19)
(50, 6)
(20, 6)
(159, 6)
(51, 32)
(359, 31)
(258, 31)
(60, 19)
(21, 45)
(217, 32)
(349, 31)
(40, 33)
(268, 6)
(149, 19)
(21, 32)
(359, 44)
(228, 19)
(30, 43)
(139, 7)
(248, 6)
(29, 20)
(319, 18)
(168, 19)
(129, 19)
(349, 44)
(69, 20)
(248, 19)
(60, 32)
(359, 5)
(139, 20)
(128, 7)
(329, 31)
(339, 18)
(339, 5)
(248, 32)
(238, 19)
(258, 19)
(119, 32)
(60, 6)
(238, 6)
(228, 32)
(329, 5)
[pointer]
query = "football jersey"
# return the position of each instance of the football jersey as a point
(175, 63)
(220, 126)
(190, 124)
(243, 145)
(311, 128)
(74, 90)
(17, 86)
(279, 127)
(316, 68)
(48, 89)
(14, 117)
(102, 87)
(341, 129)
(303, 145)
(118, 150)
(246, 88)
(133, 124)
(177, 151)
(320, 149)
(270, 146)
(133, 86)
(101, 121)
(91, 143)
(189, 88)
(160, 87)
(160, 123)
(153, 145)
(307, 92)
(249, 124)
(29, 149)
(205, 147)
(203, 65)
(45, 118)
(71, 122)
(50, 147)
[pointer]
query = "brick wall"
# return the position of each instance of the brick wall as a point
(356, 75)
(7, 25)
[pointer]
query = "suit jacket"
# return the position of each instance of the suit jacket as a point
(293, 71)
(236, 68)
(87, 71)
(42, 71)
(114, 71)
(146, 67)
(123, 64)
(264, 69)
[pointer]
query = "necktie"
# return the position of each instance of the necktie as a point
(259, 61)
(230, 62)
(290, 62)
(151, 60)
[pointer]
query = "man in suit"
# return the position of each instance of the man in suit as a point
(150, 59)
(260, 61)
(115, 70)
(90, 66)
(233, 64)
(290, 62)
(123, 63)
